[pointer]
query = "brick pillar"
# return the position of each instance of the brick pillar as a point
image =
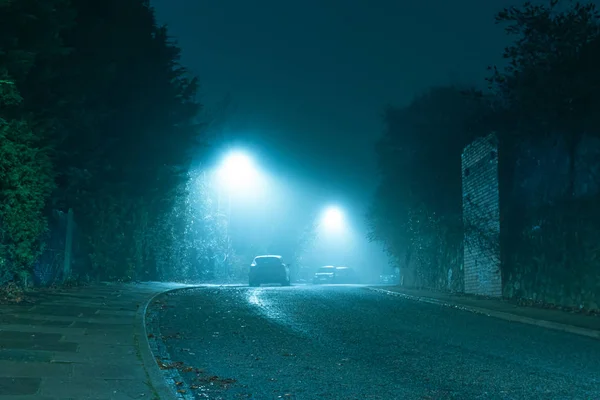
(481, 217)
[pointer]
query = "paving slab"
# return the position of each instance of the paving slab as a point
(104, 321)
(25, 355)
(94, 326)
(71, 311)
(67, 302)
(80, 343)
(32, 397)
(88, 357)
(118, 337)
(9, 310)
(109, 350)
(35, 369)
(8, 335)
(11, 386)
(34, 328)
(31, 320)
(88, 389)
(41, 318)
(117, 313)
(106, 370)
(34, 345)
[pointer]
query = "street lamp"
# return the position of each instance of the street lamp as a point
(334, 244)
(332, 219)
(237, 169)
(238, 174)
(235, 172)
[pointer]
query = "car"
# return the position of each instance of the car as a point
(269, 269)
(389, 279)
(344, 275)
(324, 274)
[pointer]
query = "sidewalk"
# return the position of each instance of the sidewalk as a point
(586, 325)
(80, 343)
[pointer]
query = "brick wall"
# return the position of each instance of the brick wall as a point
(481, 216)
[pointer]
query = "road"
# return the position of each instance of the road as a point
(348, 342)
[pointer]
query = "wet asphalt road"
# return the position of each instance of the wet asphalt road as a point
(347, 342)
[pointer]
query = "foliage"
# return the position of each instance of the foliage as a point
(190, 243)
(29, 33)
(435, 247)
(416, 210)
(209, 251)
(26, 180)
(101, 111)
(126, 152)
(551, 85)
(537, 267)
(25, 183)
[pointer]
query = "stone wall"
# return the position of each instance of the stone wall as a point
(481, 217)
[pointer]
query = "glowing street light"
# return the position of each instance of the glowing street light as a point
(333, 219)
(334, 235)
(237, 170)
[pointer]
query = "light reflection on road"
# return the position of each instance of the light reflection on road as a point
(268, 308)
(264, 301)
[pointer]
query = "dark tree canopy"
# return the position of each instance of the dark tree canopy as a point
(419, 160)
(98, 88)
(550, 86)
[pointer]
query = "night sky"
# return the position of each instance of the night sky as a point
(309, 79)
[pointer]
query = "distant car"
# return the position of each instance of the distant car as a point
(324, 274)
(268, 269)
(388, 279)
(344, 275)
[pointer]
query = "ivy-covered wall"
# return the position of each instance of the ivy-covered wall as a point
(434, 258)
(551, 240)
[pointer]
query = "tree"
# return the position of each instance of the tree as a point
(29, 34)
(417, 207)
(124, 128)
(550, 86)
(96, 115)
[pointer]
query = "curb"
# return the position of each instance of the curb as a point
(557, 326)
(155, 375)
(171, 375)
